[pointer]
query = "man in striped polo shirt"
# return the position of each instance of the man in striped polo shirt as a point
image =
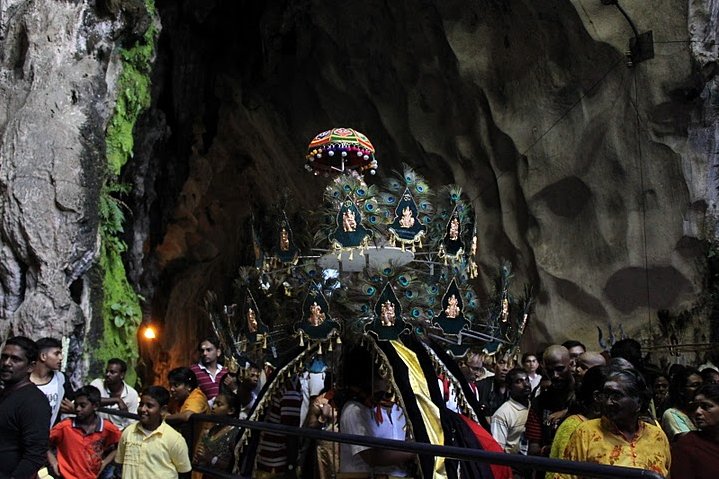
(209, 371)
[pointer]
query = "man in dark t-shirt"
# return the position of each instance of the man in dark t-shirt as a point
(492, 392)
(24, 412)
(550, 407)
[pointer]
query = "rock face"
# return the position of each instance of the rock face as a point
(59, 63)
(593, 178)
(55, 97)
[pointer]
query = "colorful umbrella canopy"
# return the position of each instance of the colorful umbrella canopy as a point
(340, 149)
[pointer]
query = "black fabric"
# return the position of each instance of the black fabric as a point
(400, 374)
(453, 368)
(456, 432)
(24, 434)
(490, 398)
(69, 391)
(550, 401)
(462, 436)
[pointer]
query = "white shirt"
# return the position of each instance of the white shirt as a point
(451, 400)
(534, 381)
(54, 391)
(359, 419)
(129, 396)
(508, 423)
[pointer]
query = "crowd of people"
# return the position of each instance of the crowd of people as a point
(603, 408)
(565, 403)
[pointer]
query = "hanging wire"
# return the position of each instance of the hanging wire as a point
(596, 83)
(643, 202)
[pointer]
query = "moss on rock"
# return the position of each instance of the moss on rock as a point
(121, 312)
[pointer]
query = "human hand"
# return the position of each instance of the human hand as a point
(556, 417)
(67, 407)
(121, 404)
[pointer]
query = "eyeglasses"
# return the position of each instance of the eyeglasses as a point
(614, 396)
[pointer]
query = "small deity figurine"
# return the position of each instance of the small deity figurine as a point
(454, 229)
(388, 315)
(284, 240)
(251, 321)
(317, 317)
(349, 223)
(505, 309)
(473, 250)
(452, 310)
(407, 220)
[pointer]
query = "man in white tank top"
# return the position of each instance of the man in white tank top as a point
(50, 380)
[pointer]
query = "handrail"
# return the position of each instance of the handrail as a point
(117, 412)
(535, 462)
(600, 471)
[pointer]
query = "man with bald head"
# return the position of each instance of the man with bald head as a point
(582, 364)
(550, 407)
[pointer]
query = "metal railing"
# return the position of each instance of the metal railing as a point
(518, 461)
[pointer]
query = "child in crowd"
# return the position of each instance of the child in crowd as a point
(216, 447)
(150, 448)
(84, 444)
(188, 399)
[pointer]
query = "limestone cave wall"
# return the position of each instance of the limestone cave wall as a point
(594, 178)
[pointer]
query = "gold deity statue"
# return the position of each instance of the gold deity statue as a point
(388, 314)
(251, 321)
(505, 309)
(284, 240)
(452, 310)
(349, 222)
(407, 220)
(454, 229)
(317, 317)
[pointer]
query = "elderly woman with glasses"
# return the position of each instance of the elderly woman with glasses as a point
(619, 437)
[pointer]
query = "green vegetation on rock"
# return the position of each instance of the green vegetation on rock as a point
(121, 312)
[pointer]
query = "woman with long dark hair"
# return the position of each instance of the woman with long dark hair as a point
(696, 454)
(682, 386)
(660, 390)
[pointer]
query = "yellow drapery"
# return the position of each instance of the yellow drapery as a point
(429, 411)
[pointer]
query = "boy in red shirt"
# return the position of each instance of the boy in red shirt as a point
(84, 444)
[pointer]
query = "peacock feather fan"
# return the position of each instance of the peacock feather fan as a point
(355, 302)
(451, 230)
(507, 315)
(415, 184)
(366, 197)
